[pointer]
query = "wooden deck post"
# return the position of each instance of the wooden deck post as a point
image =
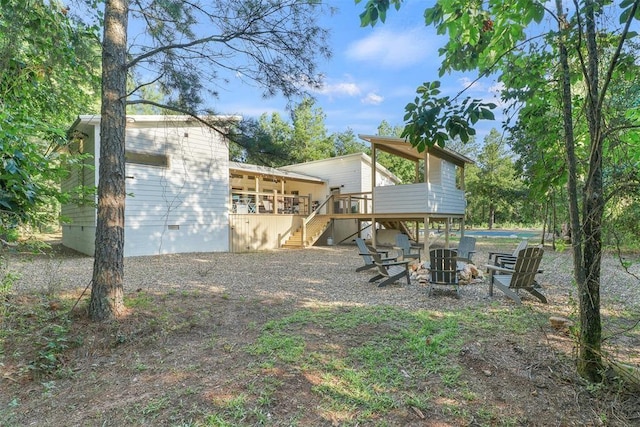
(426, 237)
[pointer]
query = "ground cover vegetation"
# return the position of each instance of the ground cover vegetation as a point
(197, 356)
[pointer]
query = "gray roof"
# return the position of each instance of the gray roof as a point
(269, 171)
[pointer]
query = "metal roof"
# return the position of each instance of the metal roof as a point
(269, 171)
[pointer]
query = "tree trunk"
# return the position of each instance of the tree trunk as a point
(545, 225)
(554, 219)
(492, 213)
(589, 358)
(108, 267)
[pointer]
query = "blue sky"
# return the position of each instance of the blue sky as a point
(373, 73)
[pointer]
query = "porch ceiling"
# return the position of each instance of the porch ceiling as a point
(401, 148)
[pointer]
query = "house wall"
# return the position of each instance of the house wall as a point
(435, 170)
(421, 198)
(180, 207)
(79, 218)
(351, 173)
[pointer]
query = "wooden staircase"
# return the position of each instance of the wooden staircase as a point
(315, 227)
(399, 225)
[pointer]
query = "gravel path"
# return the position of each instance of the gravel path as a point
(316, 276)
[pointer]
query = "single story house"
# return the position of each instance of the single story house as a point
(184, 195)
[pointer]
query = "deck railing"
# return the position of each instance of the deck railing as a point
(269, 202)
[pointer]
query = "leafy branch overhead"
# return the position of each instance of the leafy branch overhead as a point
(432, 119)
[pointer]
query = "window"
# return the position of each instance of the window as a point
(147, 159)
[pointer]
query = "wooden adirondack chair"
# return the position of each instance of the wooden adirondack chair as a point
(466, 249)
(443, 269)
(495, 258)
(405, 248)
(521, 276)
(365, 253)
(390, 272)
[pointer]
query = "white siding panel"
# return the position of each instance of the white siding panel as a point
(79, 238)
(155, 240)
(418, 198)
(352, 171)
(435, 170)
(183, 207)
(448, 176)
(82, 175)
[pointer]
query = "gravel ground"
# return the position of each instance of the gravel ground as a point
(314, 276)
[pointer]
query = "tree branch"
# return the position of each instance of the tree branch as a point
(179, 110)
(616, 55)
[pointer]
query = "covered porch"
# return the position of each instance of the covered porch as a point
(437, 194)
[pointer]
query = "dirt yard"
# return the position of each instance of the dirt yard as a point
(187, 353)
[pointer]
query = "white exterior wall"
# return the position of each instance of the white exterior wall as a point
(79, 227)
(418, 198)
(183, 207)
(174, 209)
(448, 176)
(435, 170)
(351, 171)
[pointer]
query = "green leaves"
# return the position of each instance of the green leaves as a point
(629, 7)
(376, 10)
(432, 119)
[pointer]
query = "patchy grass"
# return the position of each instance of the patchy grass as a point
(192, 359)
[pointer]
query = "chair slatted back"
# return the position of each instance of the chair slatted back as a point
(364, 251)
(522, 245)
(467, 244)
(402, 241)
(443, 266)
(526, 267)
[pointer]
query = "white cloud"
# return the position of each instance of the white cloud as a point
(392, 49)
(469, 84)
(372, 99)
(496, 88)
(340, 89)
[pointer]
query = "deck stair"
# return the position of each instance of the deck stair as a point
(315, 227)
(399, 225)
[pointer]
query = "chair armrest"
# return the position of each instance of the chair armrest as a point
(498, 268)
(505, 259)
(386, 264)
(392, 258)
(495, 254)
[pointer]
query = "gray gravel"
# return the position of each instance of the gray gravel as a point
(319, 276)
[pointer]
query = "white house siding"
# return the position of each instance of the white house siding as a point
(79, 226)
(449, 176)
(350, 173)
(435, 170)
(418, 198)
(182, 207)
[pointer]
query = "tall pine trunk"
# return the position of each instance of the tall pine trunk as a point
(108, 267)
